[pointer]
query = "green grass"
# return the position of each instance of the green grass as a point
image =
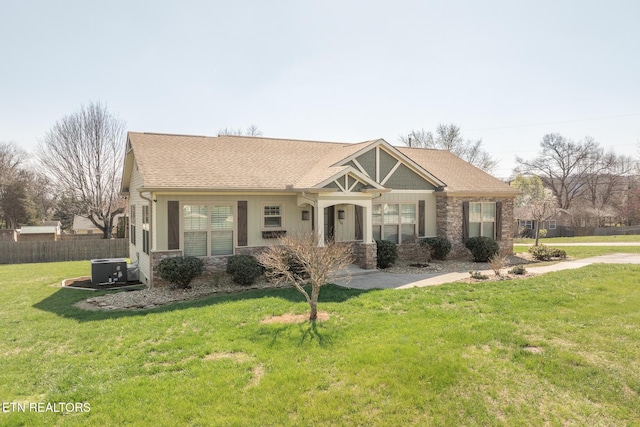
(582, 239)
(458, 354)
(579, 252)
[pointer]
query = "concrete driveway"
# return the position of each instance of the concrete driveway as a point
(375, 279)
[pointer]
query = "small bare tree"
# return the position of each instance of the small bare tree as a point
(298, 259)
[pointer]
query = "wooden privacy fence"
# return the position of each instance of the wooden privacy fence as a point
(65, 250)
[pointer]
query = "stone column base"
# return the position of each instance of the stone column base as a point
(368, 256)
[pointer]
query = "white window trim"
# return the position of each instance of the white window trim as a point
(263, 216)
(552, 221)
(209, 230)
(400, 223)
(481, 221)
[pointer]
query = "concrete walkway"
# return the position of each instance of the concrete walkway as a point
(375, 279)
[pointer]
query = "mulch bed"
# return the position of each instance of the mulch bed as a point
(85, 283)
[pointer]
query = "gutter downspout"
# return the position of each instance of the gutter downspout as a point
(150, 234)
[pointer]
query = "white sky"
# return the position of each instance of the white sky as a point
(504, 71)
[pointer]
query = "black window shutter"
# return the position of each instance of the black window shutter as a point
(465, 221)
(173, 225)
(242, 223)
(421, 218)
(498, 221)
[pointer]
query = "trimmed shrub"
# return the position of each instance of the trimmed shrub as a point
(244, 269)
(478, 275)
(439, 247)
(387, 253)
(180, 271)
(545, 253)
(518, 269)
(482, 248)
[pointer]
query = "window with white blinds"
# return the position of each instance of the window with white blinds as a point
(208, 230)
(394, 222)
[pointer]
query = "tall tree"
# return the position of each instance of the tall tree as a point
(449, 137)
(83, 154)
(562, 165)
(14, 202)
(16, 206)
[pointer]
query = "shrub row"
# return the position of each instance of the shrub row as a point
(180, 271)
(439, 247)
(545, 253)
(482, 248)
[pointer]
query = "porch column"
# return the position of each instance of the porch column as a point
(319, 221)
(367, 222)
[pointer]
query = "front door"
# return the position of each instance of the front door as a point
(329, 223)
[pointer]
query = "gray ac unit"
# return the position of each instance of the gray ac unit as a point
(108, 271)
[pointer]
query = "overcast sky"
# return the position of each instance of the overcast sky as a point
(508, 72)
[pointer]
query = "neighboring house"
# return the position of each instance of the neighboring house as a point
(83, 225)
(217, 196)
(34, 233)
(558, 225)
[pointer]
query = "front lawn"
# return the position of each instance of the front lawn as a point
(581, 239)
(579, 252)
(558, 349)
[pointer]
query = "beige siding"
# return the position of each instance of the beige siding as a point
(255, 204)
(411, 197)
(135, 251)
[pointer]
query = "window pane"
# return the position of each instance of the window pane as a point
(376, 232)
(408, 233)
(273, 221)
(488, 211)
(221, 218)
(376, 213)
(195, 217)
(272, 210)
(221, 242)
(391, 215)
(474, 229)
(408, 214)
(475, 210)
(487, 229)
(391, 233)
(195, 243)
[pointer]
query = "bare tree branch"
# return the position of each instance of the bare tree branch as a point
(449, 137)
(83, 154)
(298, 259)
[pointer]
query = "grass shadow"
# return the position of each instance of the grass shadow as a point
(62, 302)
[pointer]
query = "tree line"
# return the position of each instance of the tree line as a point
(583, 179)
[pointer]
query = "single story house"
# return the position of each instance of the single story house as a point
(557, 225)
(83, 225)
(216, 196)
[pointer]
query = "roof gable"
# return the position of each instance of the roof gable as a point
(389, 167)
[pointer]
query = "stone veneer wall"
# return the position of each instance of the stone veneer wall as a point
(449, 222)
(365, 256)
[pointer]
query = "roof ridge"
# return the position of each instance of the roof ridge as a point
(343, 143)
